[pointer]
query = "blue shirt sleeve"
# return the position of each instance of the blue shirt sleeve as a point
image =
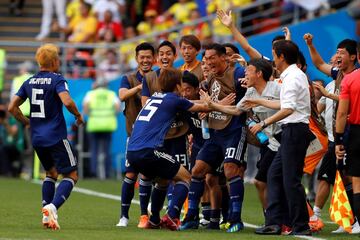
(124, 83)
(61, 85)
(184, 104)
(240, 91)
(334, 72)
(22, 93)
(145, 88)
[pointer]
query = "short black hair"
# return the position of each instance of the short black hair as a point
(232, 46)
(262, 65)
(220, 49)
(143, 47)
(190, 79)
(301, 60)
(277, 38)
(350, 46)
(169, 44)
(288, 49)
(192, 40)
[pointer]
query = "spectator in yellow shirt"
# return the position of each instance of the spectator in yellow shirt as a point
(201, 30)
(181, 10)
(82, 29)
(127, 52)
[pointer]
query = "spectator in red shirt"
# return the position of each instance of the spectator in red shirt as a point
(109, 24)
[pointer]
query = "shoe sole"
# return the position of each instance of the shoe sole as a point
(53, 224)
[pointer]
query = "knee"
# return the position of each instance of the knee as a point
(52, 173)
(73, 175)
(198, 171)
(231, 170)
(259, 185)
(131, 175)
(212, 181)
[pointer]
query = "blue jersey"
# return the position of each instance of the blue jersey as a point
(46, 109)
(195, 129)
(154, 120)
(237, 121)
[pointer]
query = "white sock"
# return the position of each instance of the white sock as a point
(317, 211)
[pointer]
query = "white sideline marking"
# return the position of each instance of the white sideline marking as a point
(118, 198)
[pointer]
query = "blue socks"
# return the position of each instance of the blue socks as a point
(196, 191)
(48, 190)
(63, 192)
(214, 219)
(157, 202)
(236, 198)
(127, 194)
(180, 193)
(170, 193)
(225, 202)
(144, 194)
(206, 210)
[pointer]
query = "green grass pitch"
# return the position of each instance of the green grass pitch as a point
(91, 217)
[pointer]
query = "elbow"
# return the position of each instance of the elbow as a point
(122, 98)
(11, 108)
(68, 104)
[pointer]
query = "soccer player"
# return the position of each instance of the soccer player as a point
(130, 92)
(257, 78)
(48, 92)
(226, 145)
(146, 153)
(189, 48)
(175, 140)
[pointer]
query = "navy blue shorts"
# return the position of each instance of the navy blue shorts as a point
(128, 167)
(61, 156)
(153, 163)
(177, 148)
(224, 148)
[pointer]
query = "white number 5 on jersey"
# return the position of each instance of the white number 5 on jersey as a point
(149, 106)
(39, 102)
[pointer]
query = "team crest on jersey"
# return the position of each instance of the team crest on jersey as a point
(215, 91)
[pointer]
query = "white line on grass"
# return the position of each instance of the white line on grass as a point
(118, 198)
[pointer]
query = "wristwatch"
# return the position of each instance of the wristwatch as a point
(262, 124)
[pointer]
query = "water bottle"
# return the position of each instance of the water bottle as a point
(205, 129)
(261, 136)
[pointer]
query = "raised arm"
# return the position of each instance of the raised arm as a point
(315, 56)
(226, 19)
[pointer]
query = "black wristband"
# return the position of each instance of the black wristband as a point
(339, 138)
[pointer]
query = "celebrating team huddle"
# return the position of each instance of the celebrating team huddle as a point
(189, 129)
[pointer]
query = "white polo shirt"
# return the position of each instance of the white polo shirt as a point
(329, 109)
(295, 94)
(270, 92)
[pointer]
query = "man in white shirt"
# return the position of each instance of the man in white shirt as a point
(286, 195)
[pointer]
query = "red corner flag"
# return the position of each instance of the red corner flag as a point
(340, 209)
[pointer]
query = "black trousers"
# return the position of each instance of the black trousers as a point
(286, 195)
